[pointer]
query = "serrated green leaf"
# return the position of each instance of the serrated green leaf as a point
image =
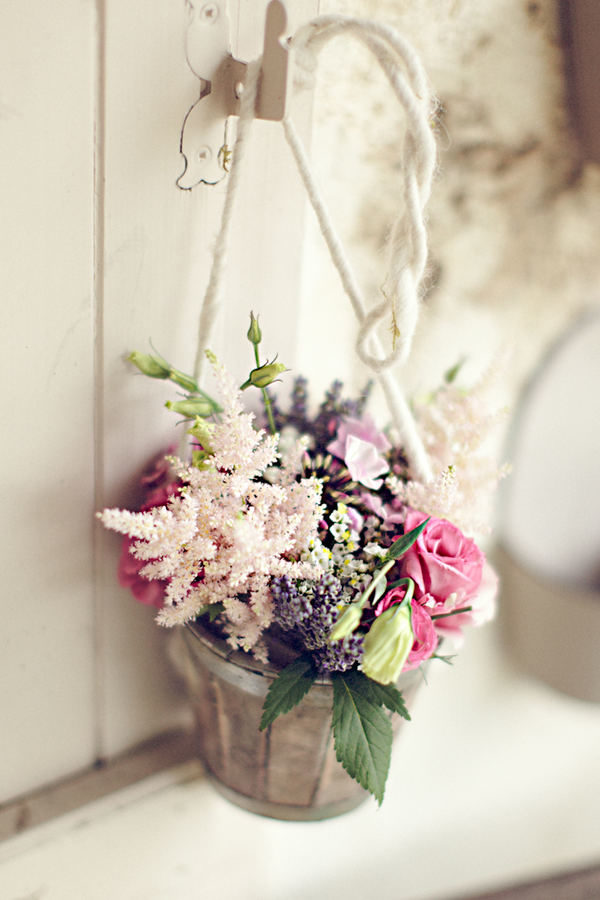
(288, 689)
(406, 541)
(362, 731)
(390, 696)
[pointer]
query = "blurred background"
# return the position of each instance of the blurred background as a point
(498, 776)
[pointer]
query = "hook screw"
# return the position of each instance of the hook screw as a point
(210, 13)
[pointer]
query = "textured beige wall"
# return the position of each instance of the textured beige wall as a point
(514, 224)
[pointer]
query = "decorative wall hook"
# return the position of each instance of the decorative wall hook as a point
(204, 142)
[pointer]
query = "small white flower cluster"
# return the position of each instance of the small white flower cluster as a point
(347, 560)
(318, 555)
(349, 564)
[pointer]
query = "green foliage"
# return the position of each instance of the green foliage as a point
(390, 696)
(451, 374)
(288, 689)
(212, 610)
(362, 729)
(405, 542)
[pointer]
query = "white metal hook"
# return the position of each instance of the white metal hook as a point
(208, 48)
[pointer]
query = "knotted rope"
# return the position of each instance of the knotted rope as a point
(407, 244)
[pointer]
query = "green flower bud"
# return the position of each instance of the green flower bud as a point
(264, 375)
(254, 333)
(150, 365)
(387, 644)
(347, 622)
(191, 407)
(201, 460)
(184, 381)
(203, 433)
(157, 367)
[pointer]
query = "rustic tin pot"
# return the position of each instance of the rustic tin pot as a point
(289, 771)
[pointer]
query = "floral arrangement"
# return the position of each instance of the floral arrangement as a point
(315, 530)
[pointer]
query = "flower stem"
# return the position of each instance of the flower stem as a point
(454, 612)
(376, 578)
(266, 398)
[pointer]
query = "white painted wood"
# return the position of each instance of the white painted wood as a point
(158, 242)
(46, 365)
(82, 674)
(267, 240)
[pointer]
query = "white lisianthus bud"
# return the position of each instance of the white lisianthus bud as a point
(387, 644)
(152, 366)
(347, 622)
(191, 407)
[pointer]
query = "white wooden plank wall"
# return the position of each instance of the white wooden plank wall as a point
(83, 672)
(47, 97)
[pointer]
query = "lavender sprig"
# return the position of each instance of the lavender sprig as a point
(309, 610)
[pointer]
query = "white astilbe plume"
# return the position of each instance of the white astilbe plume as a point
(226, 533)
(456, 427)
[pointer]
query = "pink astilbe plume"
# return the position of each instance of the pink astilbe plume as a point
(225, 533)
(456, 428)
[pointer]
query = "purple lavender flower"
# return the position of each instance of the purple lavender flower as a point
(308, 610)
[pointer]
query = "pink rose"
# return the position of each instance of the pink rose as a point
(483, 608)
(146, 591)
(150, 593)
(396, 595)
(442, 562)
(426, 639)
(359, 444)
(158, 471)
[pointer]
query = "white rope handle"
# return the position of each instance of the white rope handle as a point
(407, 246)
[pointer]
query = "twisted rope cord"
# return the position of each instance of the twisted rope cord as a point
(407, 246)
(400, 412)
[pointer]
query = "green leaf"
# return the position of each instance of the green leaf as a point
(213, 610)
(362, 731)
(390, 696)
(288, 689)
(451, 374)
(406, 541)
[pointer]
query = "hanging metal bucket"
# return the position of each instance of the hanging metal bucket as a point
(289, 771)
